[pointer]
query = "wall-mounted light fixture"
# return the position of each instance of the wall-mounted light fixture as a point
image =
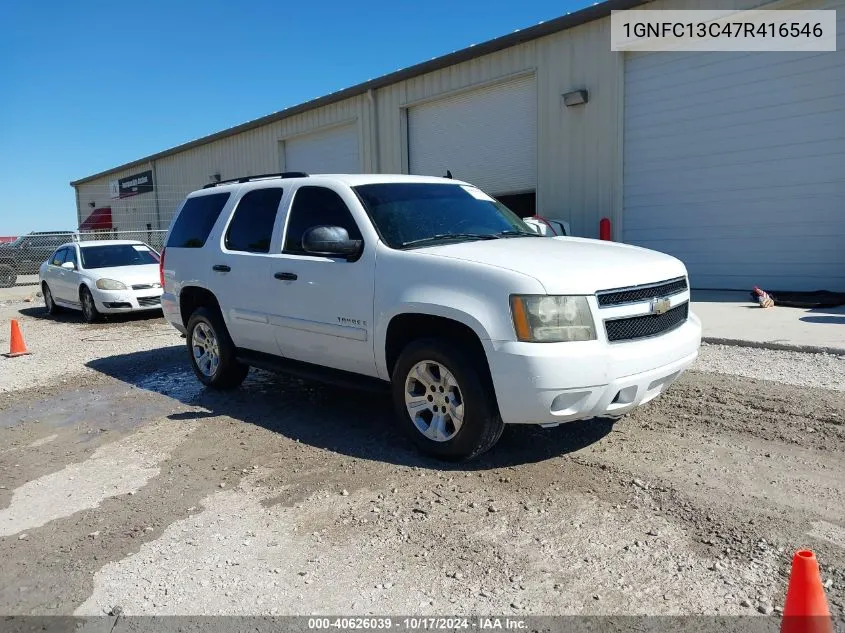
(92, 204)
(576, 97)
(215, 177)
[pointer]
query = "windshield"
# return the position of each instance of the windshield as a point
(118, 255)
(422, 214)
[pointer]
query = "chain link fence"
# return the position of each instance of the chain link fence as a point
(21, 258)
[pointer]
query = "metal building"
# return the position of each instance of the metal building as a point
(734, 162)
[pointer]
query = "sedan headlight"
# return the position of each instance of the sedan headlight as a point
(110, 284)
(552, 319)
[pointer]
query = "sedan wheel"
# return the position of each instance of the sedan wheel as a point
(49, 303)
(89, 308)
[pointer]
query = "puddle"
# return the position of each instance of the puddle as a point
(106, 407)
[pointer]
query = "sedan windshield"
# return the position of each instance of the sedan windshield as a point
(410, 215)
(117, 255)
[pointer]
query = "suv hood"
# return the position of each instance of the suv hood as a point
(568, 265)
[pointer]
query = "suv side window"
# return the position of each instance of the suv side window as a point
(196, 220)
(316, 206)
(251, 226)
(58, 257)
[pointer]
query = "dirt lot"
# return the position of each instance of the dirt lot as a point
(123, 483)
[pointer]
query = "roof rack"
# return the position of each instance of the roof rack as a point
(283, 174)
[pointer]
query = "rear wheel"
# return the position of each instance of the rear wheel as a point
(443, 401)
(89, 308)
(8, 276)
(212, 351)
(49, 303)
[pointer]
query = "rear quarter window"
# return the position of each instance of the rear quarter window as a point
(196, 220)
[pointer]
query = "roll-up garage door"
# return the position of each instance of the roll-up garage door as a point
(331, 151)
(735, 163)
(486, 136)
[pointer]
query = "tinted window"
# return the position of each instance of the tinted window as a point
(316, 206)
(411, 214)
(196, 221)
(71, 255)
(59, 257)
(252, 225)
(117, 255)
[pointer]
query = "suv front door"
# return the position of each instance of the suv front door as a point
(325, 304)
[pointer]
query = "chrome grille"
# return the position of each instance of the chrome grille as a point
(149, 301)
(618, 296)
(631, 328)
(145, 286)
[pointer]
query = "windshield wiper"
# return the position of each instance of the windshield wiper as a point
(517, 234)
(451, 236)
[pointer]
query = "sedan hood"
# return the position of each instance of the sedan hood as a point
(568, 265)
(130, 275)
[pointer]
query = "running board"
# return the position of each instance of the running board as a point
(310, 371)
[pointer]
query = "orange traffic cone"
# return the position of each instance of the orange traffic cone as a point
(805, 610)
(16, 345)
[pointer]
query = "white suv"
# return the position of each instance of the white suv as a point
(428, 287)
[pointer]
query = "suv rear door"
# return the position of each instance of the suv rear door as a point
(240, 275)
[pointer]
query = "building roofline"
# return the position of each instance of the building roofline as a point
(568, 21)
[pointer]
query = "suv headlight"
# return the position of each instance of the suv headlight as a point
(110, 284)
(552, 319)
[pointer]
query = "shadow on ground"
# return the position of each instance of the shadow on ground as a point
(824, 319)
(358, 424)
(74, 316)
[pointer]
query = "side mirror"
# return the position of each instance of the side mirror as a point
(331, 240)
(69, 266)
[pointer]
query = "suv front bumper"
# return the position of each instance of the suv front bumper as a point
(550, 383)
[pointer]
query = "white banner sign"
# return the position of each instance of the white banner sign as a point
(755, 30)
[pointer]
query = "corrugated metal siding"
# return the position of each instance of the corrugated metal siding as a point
(735, 163)
(577, 157)
(128, 214)
(253, 152)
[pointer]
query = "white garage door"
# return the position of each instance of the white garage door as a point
(331, 151)
(735, 163)
(487, 137)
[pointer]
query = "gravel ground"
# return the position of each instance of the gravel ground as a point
(126, 484)
(61, 346)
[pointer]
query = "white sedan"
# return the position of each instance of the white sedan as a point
(101, 277)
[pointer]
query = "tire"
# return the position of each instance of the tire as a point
(8, 276)
(438, 375)
(212, 352)
(49, 303)
(89, 308)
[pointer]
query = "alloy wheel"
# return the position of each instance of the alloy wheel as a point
(434, 401)
(205, 349)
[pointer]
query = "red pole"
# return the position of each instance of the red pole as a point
(604, 229)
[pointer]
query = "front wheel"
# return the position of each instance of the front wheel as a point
(212, 351)
(49, 303)
(89, 308)
(444, 402)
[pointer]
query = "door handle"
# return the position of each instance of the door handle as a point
(221, 268)
(286, 276)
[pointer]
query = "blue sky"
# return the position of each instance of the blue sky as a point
(90, 85)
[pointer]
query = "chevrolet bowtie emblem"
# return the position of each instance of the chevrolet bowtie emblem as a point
(659, 306)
